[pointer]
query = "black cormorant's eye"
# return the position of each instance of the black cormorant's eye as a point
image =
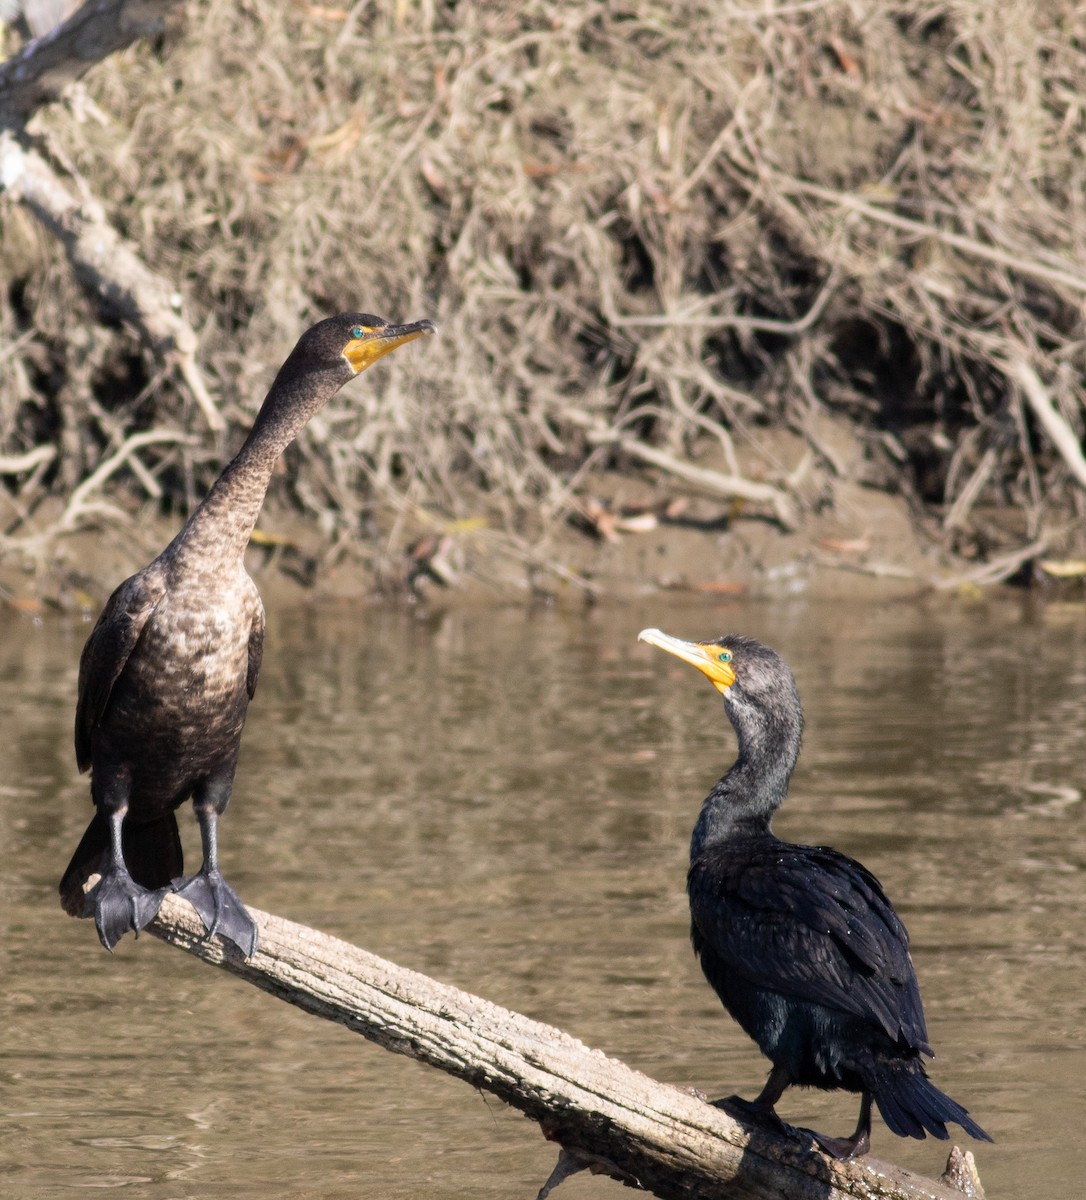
(357, 331)
(726, 656)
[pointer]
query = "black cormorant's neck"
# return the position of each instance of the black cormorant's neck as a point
(217, 533)
(744, 801)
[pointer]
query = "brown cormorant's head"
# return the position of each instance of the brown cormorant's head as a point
(355, 339)
(370, 338)
(328, 355)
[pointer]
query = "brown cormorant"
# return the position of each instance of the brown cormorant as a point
(168, 671)
(800, 942)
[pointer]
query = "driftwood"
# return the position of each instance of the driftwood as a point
(604, 1116)
(107, 265)
(44, 67)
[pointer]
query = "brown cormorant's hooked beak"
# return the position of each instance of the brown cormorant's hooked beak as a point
(375, 341)
(711, 659)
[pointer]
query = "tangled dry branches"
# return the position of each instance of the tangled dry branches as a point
(651, 228)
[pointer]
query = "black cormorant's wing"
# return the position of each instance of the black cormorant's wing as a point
(108, 648)
(809, 923)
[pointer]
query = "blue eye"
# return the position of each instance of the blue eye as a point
(357, 331)
(726, 656)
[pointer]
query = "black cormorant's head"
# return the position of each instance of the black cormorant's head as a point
(762, 704)
(716, 660)
(751, 677)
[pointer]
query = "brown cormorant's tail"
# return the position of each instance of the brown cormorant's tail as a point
(912, 1106)
(152, 853)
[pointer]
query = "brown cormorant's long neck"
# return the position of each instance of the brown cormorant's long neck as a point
(216, 534)
(744, 801)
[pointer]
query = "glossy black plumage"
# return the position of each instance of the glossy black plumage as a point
(800, 942)
(168, 671)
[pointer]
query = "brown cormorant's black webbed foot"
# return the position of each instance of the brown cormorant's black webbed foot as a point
(119, 904)
(220, 909)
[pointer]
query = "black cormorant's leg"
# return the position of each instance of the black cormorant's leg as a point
(761, 1108)
(852, 1147)
(212, 897)
(117, 901)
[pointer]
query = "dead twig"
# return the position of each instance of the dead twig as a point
(740, 323)
(996, 569)
(19, 464)
(967, 497)
(1063, 276)
(77, 506)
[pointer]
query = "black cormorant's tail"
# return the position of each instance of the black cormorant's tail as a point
(152, 853)
(912, 1106)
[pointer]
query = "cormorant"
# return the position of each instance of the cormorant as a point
(168, 671)
(801, 943)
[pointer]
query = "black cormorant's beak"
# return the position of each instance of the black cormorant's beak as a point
(375, 341)
(711, 659)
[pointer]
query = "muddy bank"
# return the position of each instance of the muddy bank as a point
(631, 535)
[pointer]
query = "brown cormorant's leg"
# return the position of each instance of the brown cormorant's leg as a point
(117, 901)
(213, 898)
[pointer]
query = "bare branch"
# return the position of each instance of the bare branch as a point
(1065, 276)
(997, 569)
(17, 464)
(734, 321)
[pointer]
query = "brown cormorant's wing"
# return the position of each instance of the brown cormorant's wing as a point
(108, 649)
(812, 924)
(256, 648)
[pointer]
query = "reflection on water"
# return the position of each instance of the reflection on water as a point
(503, 799)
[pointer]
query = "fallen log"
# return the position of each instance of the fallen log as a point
(604, 1116)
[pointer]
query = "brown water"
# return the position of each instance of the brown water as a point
(503, 799)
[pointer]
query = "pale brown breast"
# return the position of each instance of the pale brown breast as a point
(176, 712)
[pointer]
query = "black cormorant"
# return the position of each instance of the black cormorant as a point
(800, 942)
(168, 671)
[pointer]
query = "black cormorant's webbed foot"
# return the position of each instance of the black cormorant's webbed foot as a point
(753, 1112)
(850, 1147)
(841, 1148)
(119, 904)
(760, 1110)
(220, 909)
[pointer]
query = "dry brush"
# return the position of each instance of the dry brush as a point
(650, 234)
